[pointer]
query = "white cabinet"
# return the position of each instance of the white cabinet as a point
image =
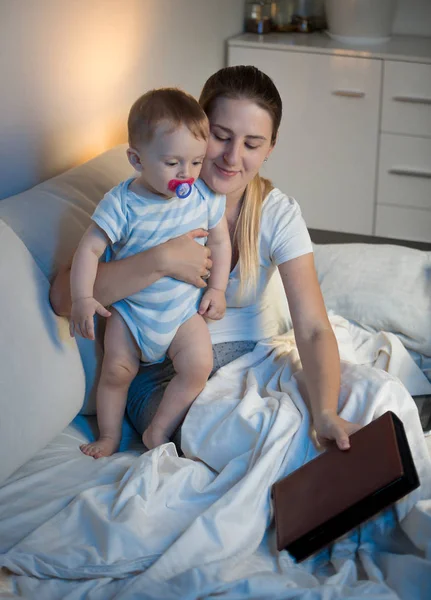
(355, 141)
(326, 152)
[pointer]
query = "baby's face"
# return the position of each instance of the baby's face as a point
(171, 154)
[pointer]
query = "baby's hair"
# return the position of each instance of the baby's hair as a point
(170, 105)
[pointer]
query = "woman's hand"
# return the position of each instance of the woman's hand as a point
(186, 260)
(330, 427)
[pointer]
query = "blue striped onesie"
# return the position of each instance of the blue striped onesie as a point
(134, 223)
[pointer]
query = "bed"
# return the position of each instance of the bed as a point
(160, 526)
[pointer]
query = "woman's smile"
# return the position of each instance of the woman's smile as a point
(226, 172)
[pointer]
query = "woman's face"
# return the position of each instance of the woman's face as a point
(240, 140)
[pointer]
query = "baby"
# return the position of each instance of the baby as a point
(168, 136)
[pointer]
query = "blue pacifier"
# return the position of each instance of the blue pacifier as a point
(182, 187)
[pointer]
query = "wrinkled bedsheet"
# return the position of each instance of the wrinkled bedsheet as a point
(159, 526)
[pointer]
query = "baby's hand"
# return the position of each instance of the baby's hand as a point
(82, 316)
(213, 304)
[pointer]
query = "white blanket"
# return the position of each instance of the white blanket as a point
(158, 526)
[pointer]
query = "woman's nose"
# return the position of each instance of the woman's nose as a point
(232, 154)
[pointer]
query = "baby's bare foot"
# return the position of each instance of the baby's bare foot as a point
(153, 437)
(104, 446)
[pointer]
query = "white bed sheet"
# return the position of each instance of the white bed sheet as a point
(158, 526)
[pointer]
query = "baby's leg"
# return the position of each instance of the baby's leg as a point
(191, 354)
(119, 367)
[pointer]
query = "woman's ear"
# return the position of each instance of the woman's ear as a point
(268, 152)
(134, 159)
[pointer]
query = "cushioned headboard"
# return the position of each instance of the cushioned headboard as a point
(321, 236)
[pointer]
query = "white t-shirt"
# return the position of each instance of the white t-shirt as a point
(283, 236)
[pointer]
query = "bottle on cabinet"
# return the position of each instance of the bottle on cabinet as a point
(263, 16)
(298, 15)
(258, 16)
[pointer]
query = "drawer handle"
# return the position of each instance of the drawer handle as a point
(410, 172)
(348, 93)
(412, 99)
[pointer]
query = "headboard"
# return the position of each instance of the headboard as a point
(322, 236)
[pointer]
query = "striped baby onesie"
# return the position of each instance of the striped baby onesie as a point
(134, 223)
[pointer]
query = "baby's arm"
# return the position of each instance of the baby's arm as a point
(82, 277)
(213, 303)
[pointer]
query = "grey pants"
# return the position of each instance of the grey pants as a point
(147, 389)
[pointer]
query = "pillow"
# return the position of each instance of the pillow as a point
(381, 287)
(51, 218)
(41, 376)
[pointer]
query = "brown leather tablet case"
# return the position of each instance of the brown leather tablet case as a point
(338, 490)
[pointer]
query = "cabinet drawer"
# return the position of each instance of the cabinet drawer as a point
(404, 171)
(403, 223)
(406, 104)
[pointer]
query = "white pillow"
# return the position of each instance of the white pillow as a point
(381, 287)
(51, 218)
(41, 377)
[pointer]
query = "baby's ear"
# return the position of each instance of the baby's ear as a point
(134, 159)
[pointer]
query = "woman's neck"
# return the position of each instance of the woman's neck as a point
(234, 201)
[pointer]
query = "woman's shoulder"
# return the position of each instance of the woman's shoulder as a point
(277, 201)
(283, 228)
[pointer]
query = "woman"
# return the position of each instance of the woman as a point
(267, 232)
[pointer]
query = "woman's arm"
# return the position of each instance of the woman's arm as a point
(221, 252)
(213, 302)
(317, 348)
(181, 258)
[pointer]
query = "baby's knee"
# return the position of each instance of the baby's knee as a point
(199, 367)
(119, 372)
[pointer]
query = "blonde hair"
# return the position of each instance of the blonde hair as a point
(246, 234)
(170, 105)
(247, 82)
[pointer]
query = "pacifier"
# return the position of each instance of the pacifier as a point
(182, 187)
